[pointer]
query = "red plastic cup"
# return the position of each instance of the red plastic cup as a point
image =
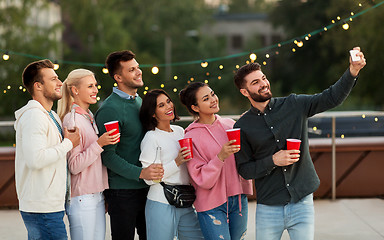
(234, 134)
(293, 144)
(187, 142)
(112, 125)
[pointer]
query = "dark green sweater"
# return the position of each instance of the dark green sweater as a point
(265, 133)
(122, 159)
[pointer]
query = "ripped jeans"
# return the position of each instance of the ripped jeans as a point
(225, 221)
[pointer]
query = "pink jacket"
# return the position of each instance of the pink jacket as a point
(213, 179)
(88, 174)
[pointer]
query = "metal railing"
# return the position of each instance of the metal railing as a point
(331, 114)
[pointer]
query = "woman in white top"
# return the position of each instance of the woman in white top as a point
(165, 221)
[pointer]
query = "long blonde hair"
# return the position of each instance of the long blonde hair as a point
(73, 79)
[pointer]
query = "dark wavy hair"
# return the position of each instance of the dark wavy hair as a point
(188, 96)
(32, 74)
(148, 109)
(244, 71)
(113, 61)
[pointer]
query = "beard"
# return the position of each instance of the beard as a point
(52, 96)
(259, 98)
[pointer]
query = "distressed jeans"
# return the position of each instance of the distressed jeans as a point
(297, 218)
(226, 221)
(165, 221)
(45, 226)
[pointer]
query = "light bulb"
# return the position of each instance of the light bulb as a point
(345, 26)
(155, 70)
(253, 56)
(5, 56)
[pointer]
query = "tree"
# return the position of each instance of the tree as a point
(22, 32)
(322, 59)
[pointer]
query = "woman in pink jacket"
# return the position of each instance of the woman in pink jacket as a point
(86, 209)
(221, 201)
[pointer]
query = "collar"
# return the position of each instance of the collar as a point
(269, 107)
(123, 94)
(87, 114)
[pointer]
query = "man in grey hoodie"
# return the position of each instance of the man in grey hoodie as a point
(41, 149)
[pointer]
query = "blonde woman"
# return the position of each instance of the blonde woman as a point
(86, 210)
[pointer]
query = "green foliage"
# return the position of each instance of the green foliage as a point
(19, 33)
(324, 58)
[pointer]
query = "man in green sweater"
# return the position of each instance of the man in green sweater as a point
(127, 193)
(284, 179)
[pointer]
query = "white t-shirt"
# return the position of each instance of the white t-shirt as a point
(173, 175)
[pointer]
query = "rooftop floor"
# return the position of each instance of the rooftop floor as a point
(352, 219)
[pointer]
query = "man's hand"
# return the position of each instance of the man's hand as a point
(154, 171)
(356, 66)
(72, 135)
(286, 157)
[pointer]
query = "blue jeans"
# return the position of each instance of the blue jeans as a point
(215, 224)
(297, 218)
(45, 226)
(165, 221)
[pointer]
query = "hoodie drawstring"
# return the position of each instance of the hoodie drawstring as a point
(240, 205)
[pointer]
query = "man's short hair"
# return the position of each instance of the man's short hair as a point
(244, 71)
(113, 61)
(31, 73)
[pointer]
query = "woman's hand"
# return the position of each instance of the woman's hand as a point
(107, 138)
(228, 150)
(181, 157)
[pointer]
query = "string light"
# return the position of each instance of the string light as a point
(175, 77)
(264, 63)
(293, 50)
(267, 55)
(56, 66)
(145, 92)
(363, 116)
(146, 88)
(300, 44)
(175, 90)
(6, 56)
(345, 26)
(105, 70)
(376, 119)
(206, 81)
(155, 70)
(162, 85)
(253, 56)
(192, 79)
(98, 98)
(237, 66)
(115, 84)
(221, 66)
(98, 86)
(204, 63)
